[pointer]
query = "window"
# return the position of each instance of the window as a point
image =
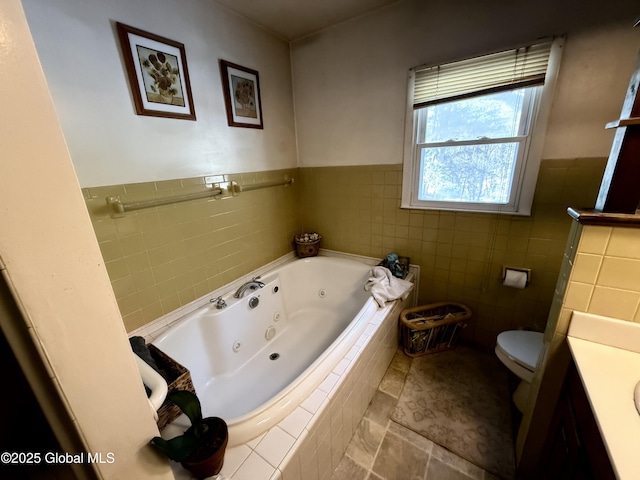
(475, 131)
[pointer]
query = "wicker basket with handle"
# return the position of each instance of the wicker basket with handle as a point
(432, 328)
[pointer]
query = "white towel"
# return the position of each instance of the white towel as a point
(385, 287)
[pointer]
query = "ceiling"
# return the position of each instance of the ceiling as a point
(291, 19)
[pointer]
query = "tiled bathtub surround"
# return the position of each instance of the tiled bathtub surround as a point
(310, 442)
(162, 258)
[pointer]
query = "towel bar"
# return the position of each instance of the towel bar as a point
(117, 208)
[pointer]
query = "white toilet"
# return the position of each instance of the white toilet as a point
(519, 351)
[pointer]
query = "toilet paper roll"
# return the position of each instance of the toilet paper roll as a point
(515, 279)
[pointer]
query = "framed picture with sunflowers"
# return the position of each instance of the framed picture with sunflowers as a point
(241, 88)
(158, 75)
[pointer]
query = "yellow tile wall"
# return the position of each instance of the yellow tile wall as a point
(161, 258)
(605, 279)
(357, 210)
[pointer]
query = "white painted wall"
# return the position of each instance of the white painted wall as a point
(594, 76)
(350, 80)
(109, 144)
(54, 265)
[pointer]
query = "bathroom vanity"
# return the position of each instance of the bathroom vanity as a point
(596, 425)
(575, 446)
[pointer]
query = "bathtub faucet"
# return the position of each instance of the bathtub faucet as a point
(254, 284)
(218, 302)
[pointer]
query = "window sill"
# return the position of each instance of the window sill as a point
(498, 211)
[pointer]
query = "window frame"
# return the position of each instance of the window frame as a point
(527, 165)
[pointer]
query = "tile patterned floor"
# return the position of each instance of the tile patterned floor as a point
(384, 450)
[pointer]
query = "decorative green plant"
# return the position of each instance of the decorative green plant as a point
(201, 439)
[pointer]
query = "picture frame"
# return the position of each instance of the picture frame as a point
(158, 75)
(241, 88)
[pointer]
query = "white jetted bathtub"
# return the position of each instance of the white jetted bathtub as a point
(256, 361)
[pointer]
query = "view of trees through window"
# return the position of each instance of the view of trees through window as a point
(469, 148)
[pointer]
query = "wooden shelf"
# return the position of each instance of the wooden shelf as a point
(624, 122)
(593, 217)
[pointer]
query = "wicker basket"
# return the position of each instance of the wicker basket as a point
(432, 328)
(179, 378)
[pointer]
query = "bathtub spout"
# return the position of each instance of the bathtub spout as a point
(254, 284)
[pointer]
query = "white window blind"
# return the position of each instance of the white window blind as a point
(496, 72)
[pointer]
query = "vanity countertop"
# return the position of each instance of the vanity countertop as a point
(607, 355)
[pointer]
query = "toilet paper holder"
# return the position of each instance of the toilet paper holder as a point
(527, 271)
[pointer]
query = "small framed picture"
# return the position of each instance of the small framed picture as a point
(241, 95)
(158, 75)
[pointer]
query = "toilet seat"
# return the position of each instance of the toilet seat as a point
(519, 351)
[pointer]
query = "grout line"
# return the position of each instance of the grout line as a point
(386, 429)
(426, 468)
